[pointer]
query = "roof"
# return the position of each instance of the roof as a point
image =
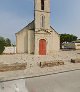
(30, 26)
(54, 30)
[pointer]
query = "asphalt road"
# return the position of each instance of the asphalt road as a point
(62, 82)
(13, 86)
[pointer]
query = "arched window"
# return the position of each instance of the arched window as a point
(42, 4)
(42, 21)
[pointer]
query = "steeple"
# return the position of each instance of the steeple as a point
(42, 14)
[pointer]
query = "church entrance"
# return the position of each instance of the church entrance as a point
(42, 47)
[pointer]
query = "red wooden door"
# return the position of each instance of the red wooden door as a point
(42, 47)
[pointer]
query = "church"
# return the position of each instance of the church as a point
(38, 37)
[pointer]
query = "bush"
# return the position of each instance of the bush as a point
(4, 42)
(1, 48)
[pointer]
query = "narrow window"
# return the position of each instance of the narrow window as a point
(42, 4)
(42, 23)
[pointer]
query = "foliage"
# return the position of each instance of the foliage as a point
(67, 38)
(4, 42)
(1, 48)
(7, 42)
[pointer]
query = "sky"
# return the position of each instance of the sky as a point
(16, 14)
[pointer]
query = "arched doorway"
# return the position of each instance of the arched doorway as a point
(42, 47)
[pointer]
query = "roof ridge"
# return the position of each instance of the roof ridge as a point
(25, 27)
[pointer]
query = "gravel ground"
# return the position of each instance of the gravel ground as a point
(33, 69)
(61, 55)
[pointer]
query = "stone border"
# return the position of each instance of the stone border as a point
(50, 63)
(12, 67)
(75, 60)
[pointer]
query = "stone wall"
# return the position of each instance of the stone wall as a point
(56, 41)
(52, 41)
(39, 13)
(77, 46)
(31, 41)
(25, 41)
(10, 50)
(22, 41)
(48, 39)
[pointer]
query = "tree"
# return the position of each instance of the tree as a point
(67, 38)
(7, 42)
(2, 43)
(2, 40)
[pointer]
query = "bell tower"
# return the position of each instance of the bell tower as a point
(42, 14)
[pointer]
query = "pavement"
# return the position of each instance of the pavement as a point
(13, 86)
(61, 82)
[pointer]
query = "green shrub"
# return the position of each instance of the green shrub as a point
(2, 44)
(1, 48)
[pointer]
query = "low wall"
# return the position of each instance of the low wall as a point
(69, 46)
(77, 46)
(51, 63)
(10, 50)
(12, 67)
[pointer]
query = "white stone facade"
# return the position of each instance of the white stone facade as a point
(25, 40)
(52, 41)
(28, 39)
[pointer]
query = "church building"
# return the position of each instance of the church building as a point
(38, 37)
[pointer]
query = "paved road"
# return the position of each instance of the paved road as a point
(13, 86)
(63, 82)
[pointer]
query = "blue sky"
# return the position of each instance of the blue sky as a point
(15, 14)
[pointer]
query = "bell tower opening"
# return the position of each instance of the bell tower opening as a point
(42, 4)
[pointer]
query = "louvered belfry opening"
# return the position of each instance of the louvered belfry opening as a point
(42, 4)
